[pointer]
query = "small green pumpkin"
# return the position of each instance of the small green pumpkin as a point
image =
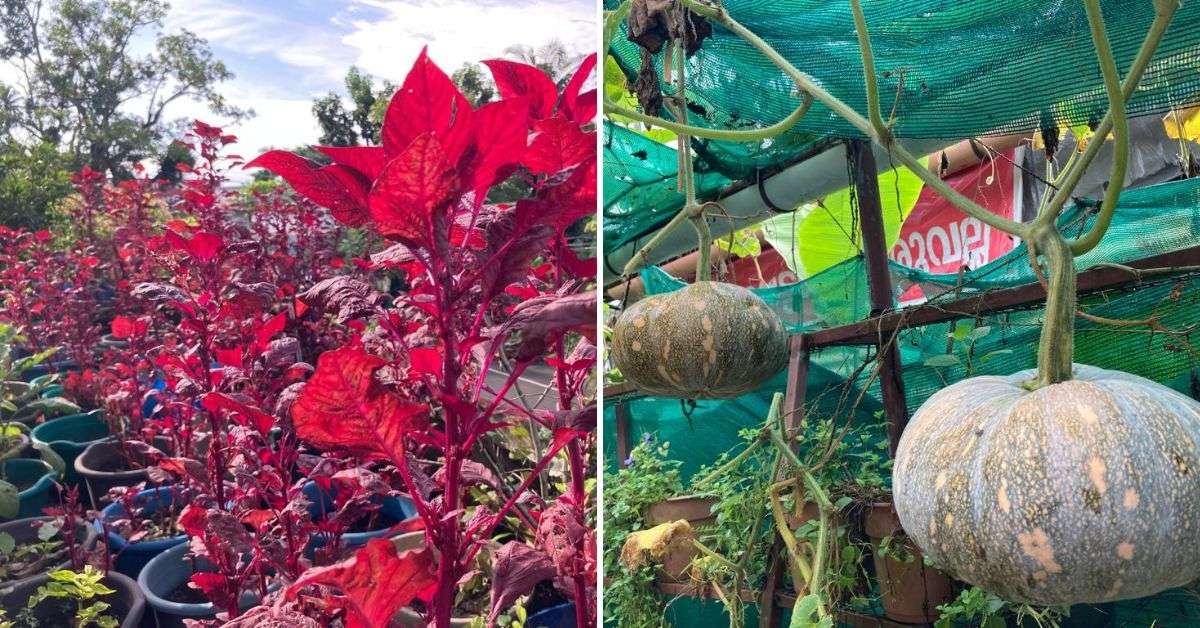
(1082, 491)
(709, 340)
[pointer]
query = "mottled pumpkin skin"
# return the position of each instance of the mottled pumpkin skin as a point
(709, 340)
(1080, 492)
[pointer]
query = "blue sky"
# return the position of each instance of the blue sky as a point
(285, 53)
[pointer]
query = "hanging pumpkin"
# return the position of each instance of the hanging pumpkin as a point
(1083, 491)
(709, 340)
(1061, 485)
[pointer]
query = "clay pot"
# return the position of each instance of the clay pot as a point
(128, 605)
(910, 591)
(697, 511)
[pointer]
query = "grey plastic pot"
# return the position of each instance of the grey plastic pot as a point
(128, 605)
(165, 573)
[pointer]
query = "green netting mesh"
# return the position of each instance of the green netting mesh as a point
(640, 184)
(948, 68)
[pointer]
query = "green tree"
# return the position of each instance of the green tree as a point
(474, 83)
(82, 88)
(360, 121)
(32, 178)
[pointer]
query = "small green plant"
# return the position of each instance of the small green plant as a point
(81, 587)
(648, 476)
(962, 351)
(978, 607)
(21, 561)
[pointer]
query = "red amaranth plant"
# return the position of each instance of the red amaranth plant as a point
(482, 281)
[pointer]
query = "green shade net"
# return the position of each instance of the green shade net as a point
(949, 69)
(1148, 221)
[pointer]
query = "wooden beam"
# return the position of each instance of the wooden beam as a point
(879, 282)
(624, 444)
(1099, 278)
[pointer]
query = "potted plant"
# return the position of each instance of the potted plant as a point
(75, 599)
(14, 440)
(142, 525)
(910, 590)
(33, 546)
(165, 582)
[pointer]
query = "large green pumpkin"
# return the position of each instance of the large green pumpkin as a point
(1087, 490)
(709, 340)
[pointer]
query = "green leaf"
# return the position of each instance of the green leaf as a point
(980, 332)
(7, 543)
(49, 530)
(961, 330)
(745, 244)
(52, 458)
(945, 359)
(991, 354)
(51, 408)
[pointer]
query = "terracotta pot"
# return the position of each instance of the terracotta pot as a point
(24, 532)
(127, 602)
(406, 617)
(697, 511)
(910, 591)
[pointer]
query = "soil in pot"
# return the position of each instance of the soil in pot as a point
(909, 590)
(127, 603)
(186, 594)
(697, 511)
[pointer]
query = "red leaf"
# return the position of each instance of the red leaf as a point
(216, 402)
(121, 327)
(425, 360)
(368, 160)
(376, 583)
(229, 357)
(571, 200)
(314, 183)
(558, 145)
(500, 134)
(274, 325)
(515, 79)
(414, 187)
(573, 107)
(343, 406)
(517, 568)
(425, 104)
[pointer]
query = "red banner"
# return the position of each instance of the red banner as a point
(939, 238)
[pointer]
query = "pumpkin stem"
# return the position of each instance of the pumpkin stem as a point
(703, 265)
(1056, 348)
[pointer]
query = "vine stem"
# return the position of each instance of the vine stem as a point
(1056, 347)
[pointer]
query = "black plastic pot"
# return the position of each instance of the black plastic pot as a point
(127, 602)
(24, 532)
(167, 572)
(91, 466)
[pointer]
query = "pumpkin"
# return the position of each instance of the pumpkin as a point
(1082, 491)
(709, 340)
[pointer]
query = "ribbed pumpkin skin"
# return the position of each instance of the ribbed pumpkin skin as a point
(1080, 492)
(709, 340)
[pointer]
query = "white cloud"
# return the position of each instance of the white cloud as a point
(461, 31)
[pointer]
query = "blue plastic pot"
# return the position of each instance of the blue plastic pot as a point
(559, 616)
(53, 390)
(392, 510)
(165, 573)
(45, 368)
(28, 471)
(68, 436)
(132, 557)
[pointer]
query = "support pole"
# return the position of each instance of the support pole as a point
(879, 282)
(793, 409)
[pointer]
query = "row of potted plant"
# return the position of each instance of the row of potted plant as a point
(251, 424)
